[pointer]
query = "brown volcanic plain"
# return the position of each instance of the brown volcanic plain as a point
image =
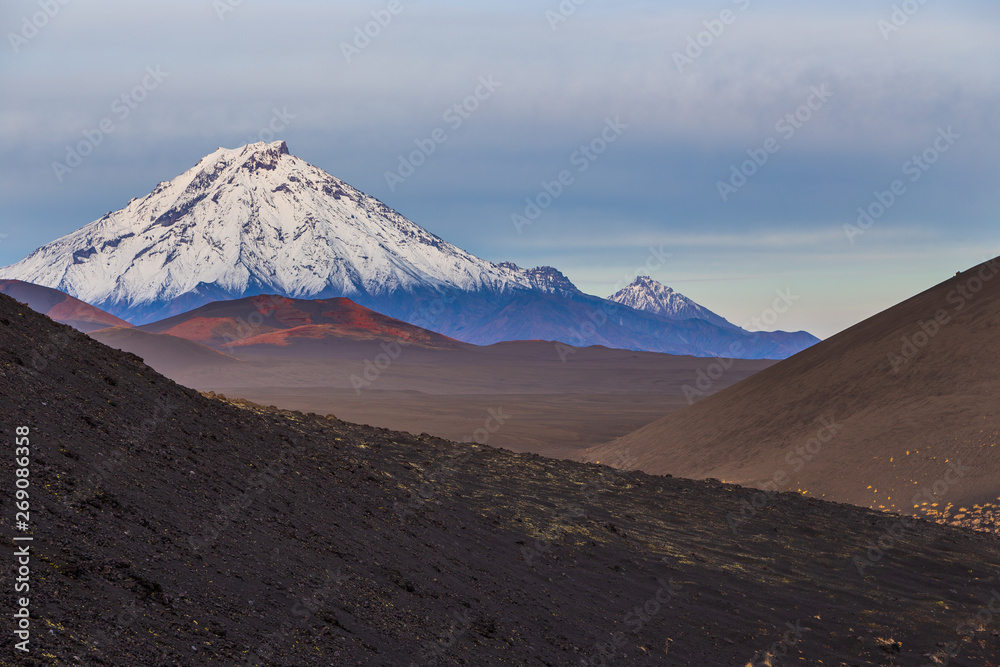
(336, 356)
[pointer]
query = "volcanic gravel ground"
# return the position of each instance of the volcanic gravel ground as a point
(172, 528)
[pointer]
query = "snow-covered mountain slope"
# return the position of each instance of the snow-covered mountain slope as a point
(654, 297)
(251, 220)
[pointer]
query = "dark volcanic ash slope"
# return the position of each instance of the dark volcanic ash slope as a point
(174, 529)
(913, 392)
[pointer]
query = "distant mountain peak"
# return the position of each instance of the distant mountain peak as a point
(260, 154)
(651, 296)
(646, 281)
(545, 278)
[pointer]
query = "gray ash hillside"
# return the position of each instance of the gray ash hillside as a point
(173, 528)
(913, 391)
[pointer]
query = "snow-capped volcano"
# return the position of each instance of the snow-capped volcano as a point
(654, 297)
(255, 220)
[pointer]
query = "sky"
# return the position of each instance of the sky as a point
(728, 149)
